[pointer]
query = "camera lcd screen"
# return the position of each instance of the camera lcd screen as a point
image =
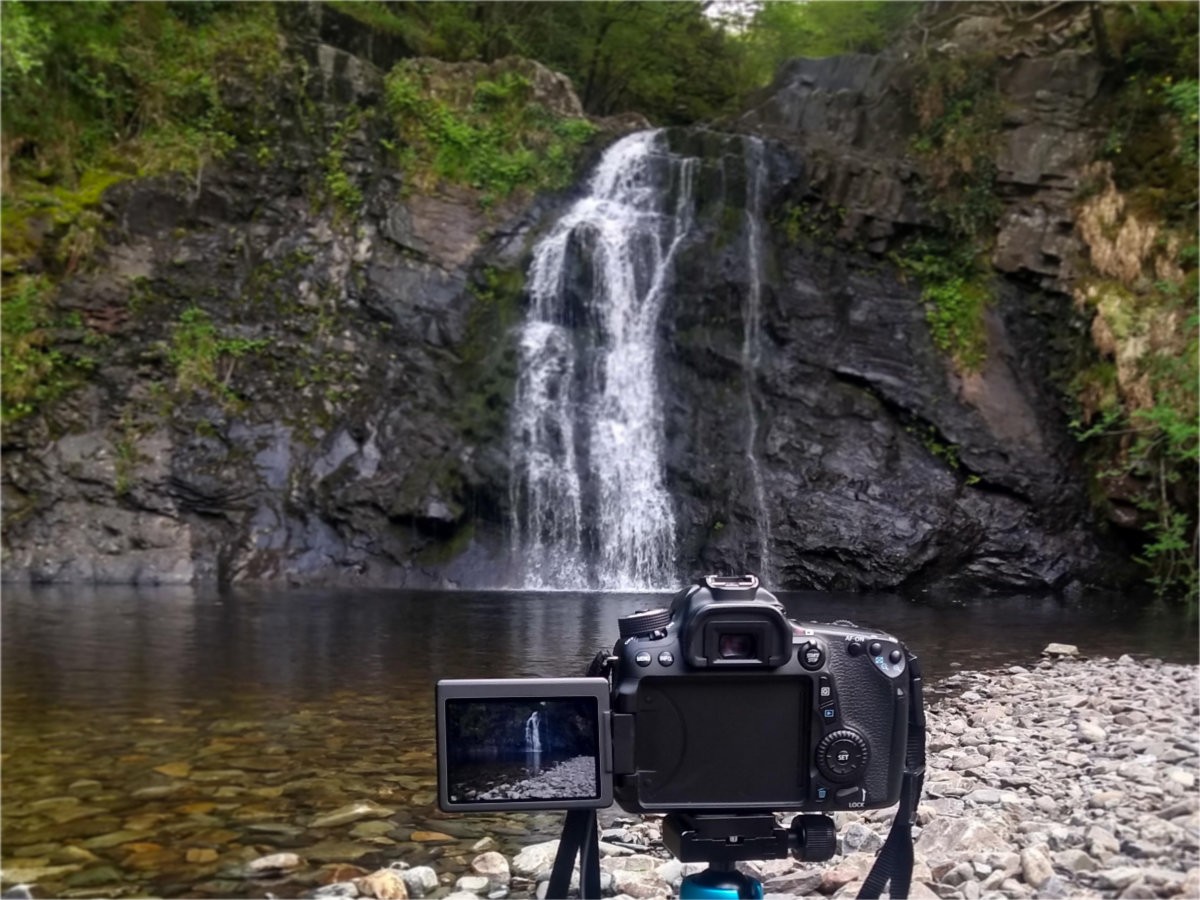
(723, 743)
(512, 744)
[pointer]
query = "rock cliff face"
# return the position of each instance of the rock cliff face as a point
(353, 429)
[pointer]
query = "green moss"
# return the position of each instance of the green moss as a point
(489, 135)
(203, 359)
(956, 291)
(33, 371)
(961, 112)
(115, 91)
(809, 220)
(346, 194)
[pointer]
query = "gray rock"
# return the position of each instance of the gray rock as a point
(473, 884)
(534, 859)
(493, 866)
(1060, 650)
(421, 881)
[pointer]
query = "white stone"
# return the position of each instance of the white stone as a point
(1060, 650)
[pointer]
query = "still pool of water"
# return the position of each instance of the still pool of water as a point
(155, 741)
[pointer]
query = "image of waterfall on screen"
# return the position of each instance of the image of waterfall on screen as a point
(589, 508)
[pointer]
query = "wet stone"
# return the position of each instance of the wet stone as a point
(352, 812)
(94, 877)
(274, 864)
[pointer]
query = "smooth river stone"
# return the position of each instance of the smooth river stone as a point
(337, 851)
(429, 837)
(352, 812)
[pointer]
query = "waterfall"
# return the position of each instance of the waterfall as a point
(533, 737)
(751, 345)
(589, 509)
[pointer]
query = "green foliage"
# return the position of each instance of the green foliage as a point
(98, 92)
(959, 108)
(960, 112)
(777, 32)
(497, 142)
(345, 193)
(956, 294)
(89, 77)
(668, 61)
(1153, 139)
(30, 368)
(203, 359)
(1152, 451)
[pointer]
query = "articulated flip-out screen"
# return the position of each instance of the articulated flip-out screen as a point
(523, 744)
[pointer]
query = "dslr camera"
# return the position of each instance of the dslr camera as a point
(718, 711)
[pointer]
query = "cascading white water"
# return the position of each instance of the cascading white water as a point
(533, 737)
(589, 509)
(751, 345)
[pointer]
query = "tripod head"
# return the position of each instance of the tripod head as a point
(723, 840)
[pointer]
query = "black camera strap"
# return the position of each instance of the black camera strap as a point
(894, 862)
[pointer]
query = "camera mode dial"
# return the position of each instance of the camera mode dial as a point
(841, 755)
(646, 621)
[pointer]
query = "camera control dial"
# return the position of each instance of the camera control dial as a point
(643, 622)
(841, 755)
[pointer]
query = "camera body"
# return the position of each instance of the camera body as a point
(723, 704)
(718, 706)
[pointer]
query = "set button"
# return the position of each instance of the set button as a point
(842, 755)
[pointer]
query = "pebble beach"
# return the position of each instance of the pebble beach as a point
(1068, 778)
(1065, 778)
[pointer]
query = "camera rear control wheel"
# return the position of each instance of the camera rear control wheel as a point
(842, 755)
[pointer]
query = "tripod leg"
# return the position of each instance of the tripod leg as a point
(579, 838)
(589, 859)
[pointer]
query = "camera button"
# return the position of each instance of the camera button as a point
(852, 795)
(876, 648)
(811, 656)
(643, 658)
(895, 656)
(666, 658)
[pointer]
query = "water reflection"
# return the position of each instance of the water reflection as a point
(131, 649)
(217, 727)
